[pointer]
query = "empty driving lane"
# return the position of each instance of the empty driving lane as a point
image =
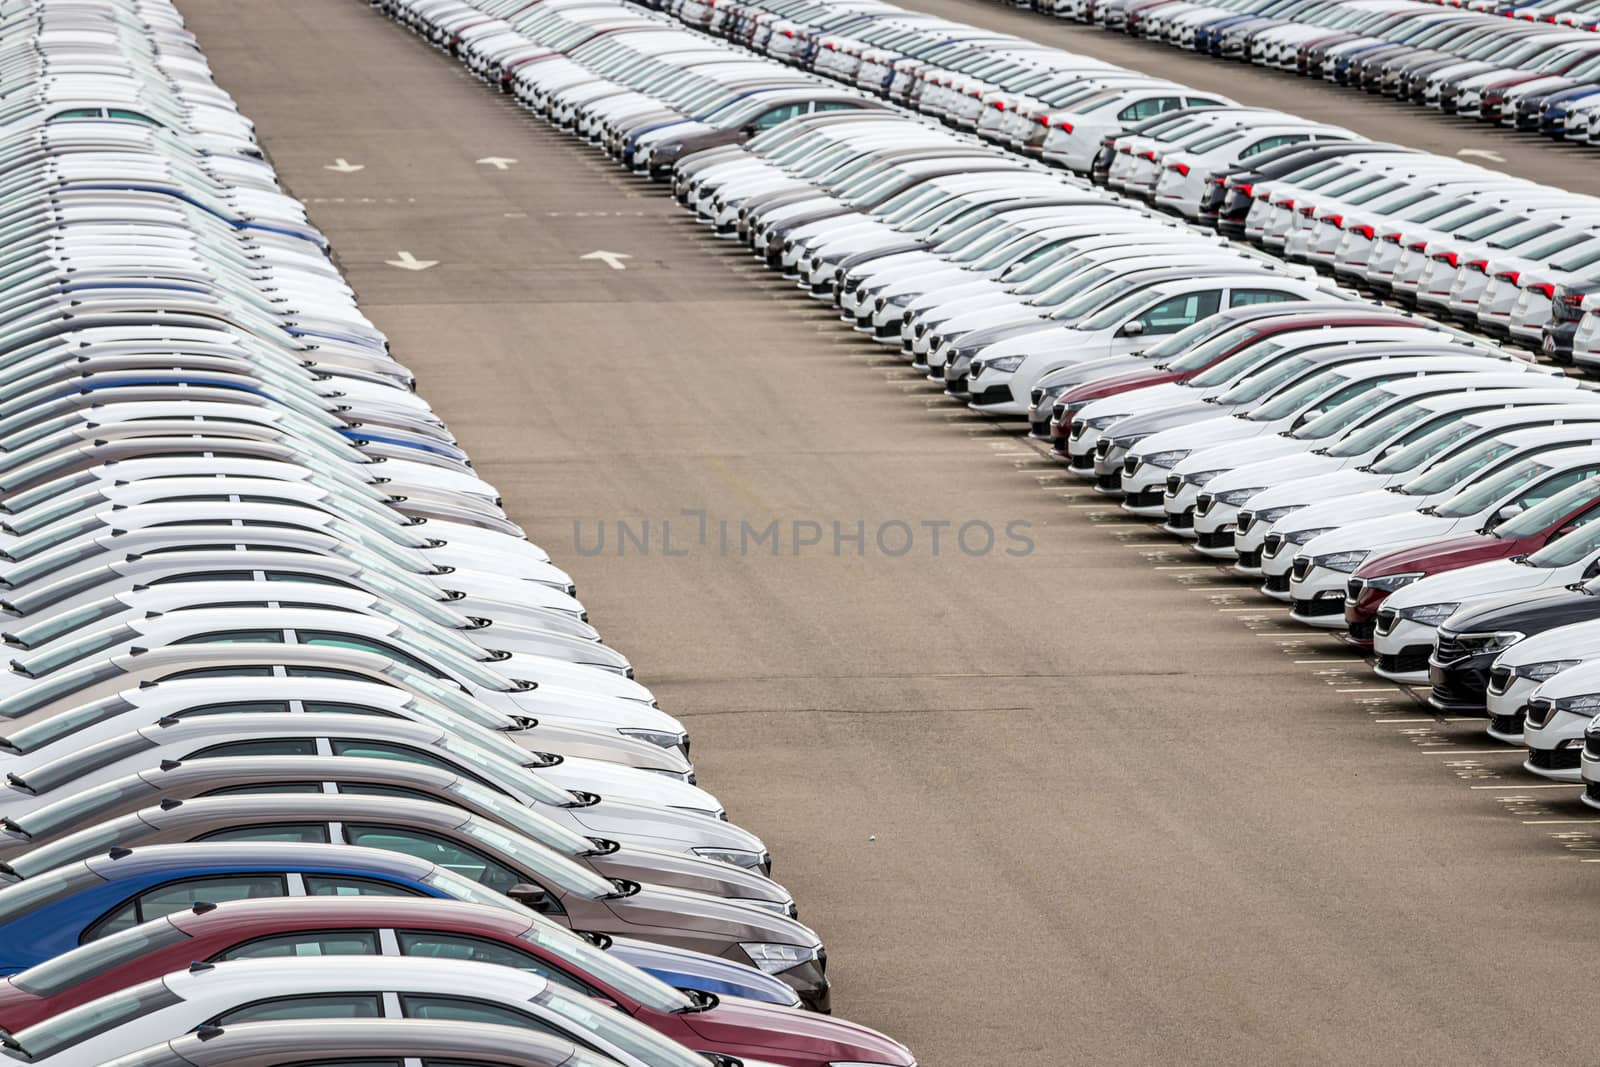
(1380, 118)
(1046, 806)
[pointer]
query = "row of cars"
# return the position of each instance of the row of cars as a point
(1383, 473)
(1502, 255)
(1527, 66)
(286, 682)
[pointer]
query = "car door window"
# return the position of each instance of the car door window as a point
(310, 833)
(447, 946)
(218, 672)
(777, 115)
(1204, 101)
(318, 943)
(1551, 486)
(136, 116)
(362, 644)
(383, 750)
(185, 894)
(463, 1010)
(339, 885)
(234, 637)
(235, 707)
(1245, 297)
(272, 746)
(1147, 109)
(1266, 144)
(317, 1006)
(451, 855)
(264, 787)
(1178, 312)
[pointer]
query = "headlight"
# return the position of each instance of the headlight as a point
(1388, 583)
(1482, 644)
(1343, 562)
(1588, 704)
(664, 738)
(1100, 422)
(734, 857)
(1300, 537)
(1272, 515)
(666, 151)
(1201, 477)
(1004, 363)
(1235, 497)
(1428, 614)
(1542, 672)
(774, 958)
(1168, 459)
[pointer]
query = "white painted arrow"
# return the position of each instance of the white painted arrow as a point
(344, 166)
(409, 262)
(1482, 153)
(497, 162)
(610, 259)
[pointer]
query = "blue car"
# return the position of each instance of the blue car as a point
(54, 912)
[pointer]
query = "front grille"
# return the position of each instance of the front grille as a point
(1148, 498)
(1539, 712)
(1407, 661)
(1507, 724)
(1130, 464)
(1271, 545)
(1386, 621)
(1318, 606)
(1250, 559)
(1555, 759)
(1181, 520)
(1352, 588)
(1082, 461)
(1109, 481)
(1449, 648)
(1591, 789)
(1216, 539)
(1102, 447)
(1203, 502)
(1277, 583)
(1245, 520)
(1363, 630)
(1302, 567)
(1174, 483)
(1499, 680)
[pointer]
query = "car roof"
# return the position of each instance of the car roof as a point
(268, 913)
(264, 1044)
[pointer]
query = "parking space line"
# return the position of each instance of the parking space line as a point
(1540, 785)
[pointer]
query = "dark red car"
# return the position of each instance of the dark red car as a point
(283, 926)
(1190, 364)
(1518, 535)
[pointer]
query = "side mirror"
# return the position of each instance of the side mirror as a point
(748, 129)
(1510, 511)
(1592, 570)
(530, 895)
(1131, 329)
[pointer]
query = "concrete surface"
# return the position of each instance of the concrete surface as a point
(1092, 804)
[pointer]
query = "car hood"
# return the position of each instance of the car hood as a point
(1381, 533)
(1113, 384)
(1474, 583)
(658, 908)
(1308, 491)
(1140, 402)
(1165, 429)
(1443, 554)
(1258, 463)
(661, 827)
(1573, 640)
(1095, 370)
(687, 969)
(1208, 434)
(1004, 324)
(761, 1028)
(1355, 507)
(1531, 611)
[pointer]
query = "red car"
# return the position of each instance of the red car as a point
(1517, 535)
(281, 926)
(1193, 363)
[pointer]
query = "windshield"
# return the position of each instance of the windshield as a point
(1269, 380)
(1114, 313)
(1379, 433)
(524, 820)
(64, 622)
(621, 1030)
(1568, 550)
(90, 1020)
(550, 867)
(613, 972)
(97, 957)
(1349, 406)
(1546, 513)
(1453, 472)
(37, 735)
(1236, 365)
(1200, 354)
(1295, 399)
(1484, 494)
(496, 768)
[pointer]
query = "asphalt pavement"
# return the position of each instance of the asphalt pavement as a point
(1074, 796)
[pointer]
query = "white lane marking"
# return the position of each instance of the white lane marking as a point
(344, 166)
(610, 259)
(497, 162)
(1481, 153)
(407, 261)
